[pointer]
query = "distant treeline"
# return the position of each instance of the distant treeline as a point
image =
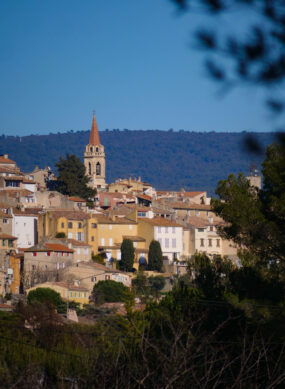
(166, 159)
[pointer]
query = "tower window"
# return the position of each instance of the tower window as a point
(97, 149)
(91, 149)
(98, 169)
(89, 168)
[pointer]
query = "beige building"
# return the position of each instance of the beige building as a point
(89, 274)
(130, 185)
(94, 159)
(67, 291)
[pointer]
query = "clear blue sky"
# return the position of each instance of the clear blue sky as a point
(130, 60)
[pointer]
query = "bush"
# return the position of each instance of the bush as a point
(46, 296)
(109, 291)
(60, 235)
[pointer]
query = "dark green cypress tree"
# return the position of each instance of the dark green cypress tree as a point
(127, 255)
(155, 256)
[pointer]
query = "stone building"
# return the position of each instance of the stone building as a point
(94, 159)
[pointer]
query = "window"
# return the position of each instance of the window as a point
(167, 243)
(211, 228)
(78, 294)
(46, 267)
(173, 230)
(166, 230)
(200, 229)
(130, 227)
(33, 267)
(70, 294)
(5, 221)
(197, 213)
(174, 243)
(79, 225)
(93, 225)
(79, 236)
(90, 170)
(62, 225)
(98, 169)
(102, 241)
(110, 226)
(218, 242)
(159, 229)
(111, 241)
(57, 265)
(201, 242)
(69, 225)
(97, 149)
(86, 251)
(107, 277)
(70, 235)
(93, 279)
(92, 238)
(210, 242)
(78, 251)
(142, 214)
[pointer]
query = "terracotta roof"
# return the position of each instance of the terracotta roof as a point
(6, 169)
(134, 238)
(69, 286)
(105, 220)
(161, 221)
(6, 236)
(192, 194)
(70, 215)
(5, 160)
(58, 247)
(17, 191)
(77, 199)
(5, 215)
(198, 222)
(14, 178)
(76, 243)
(94, 138)
(144, 197)
(26, 212)
(181, 205)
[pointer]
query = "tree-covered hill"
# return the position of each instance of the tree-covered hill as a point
(167, 159)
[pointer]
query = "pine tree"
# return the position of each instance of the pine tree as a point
(155, 256)
(71, 179)
(127, 255)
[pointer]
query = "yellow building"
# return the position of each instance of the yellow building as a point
(67, 291)
(129, 185)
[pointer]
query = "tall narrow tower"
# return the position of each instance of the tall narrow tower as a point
(94, 158)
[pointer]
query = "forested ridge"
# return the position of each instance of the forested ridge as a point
(167, 159)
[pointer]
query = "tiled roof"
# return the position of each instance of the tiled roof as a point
(70, 215)
(144, 197)
(181, 205)
(5, 215)
(161, 221)
(18, 192)
(106, 220)
(77, 199)
(6, 169)
(192, 194)
(5, 160)
(7, 236)
(69, 286)
(134, 238)
(94, 138)
(58, 247)
(27, 212)
(197, 222)
(14, 178)
(77, 243)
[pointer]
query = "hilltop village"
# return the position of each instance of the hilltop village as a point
(51, 240)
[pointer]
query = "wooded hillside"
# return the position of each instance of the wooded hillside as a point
(167, 159)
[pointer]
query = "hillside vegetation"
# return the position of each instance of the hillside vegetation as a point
(167, 159)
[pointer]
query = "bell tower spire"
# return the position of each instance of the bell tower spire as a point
(94, 158)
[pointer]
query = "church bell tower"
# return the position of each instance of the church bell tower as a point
(94, 159)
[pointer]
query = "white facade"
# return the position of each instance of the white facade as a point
(25, 229)
(171, 240)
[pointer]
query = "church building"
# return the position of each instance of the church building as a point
(94, 159)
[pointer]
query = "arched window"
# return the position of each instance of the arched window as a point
(97, 149)
(91, 149)
(98, 169)
(89, 168)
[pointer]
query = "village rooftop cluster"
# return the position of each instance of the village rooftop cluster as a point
(48, 239)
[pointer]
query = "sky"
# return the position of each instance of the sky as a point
(132, 61)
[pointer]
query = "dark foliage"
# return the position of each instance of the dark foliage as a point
(127, 255)
(166, 159)
(155, 256)
(71, 179)
(109, 291)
